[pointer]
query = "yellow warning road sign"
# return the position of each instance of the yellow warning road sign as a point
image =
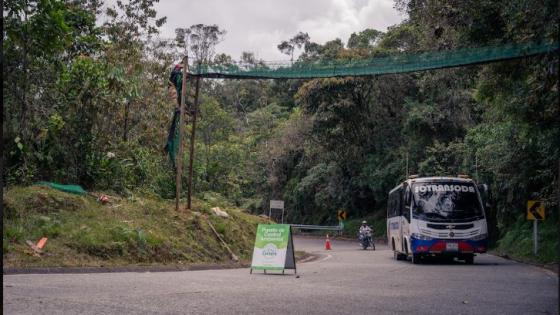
(342, 215)
(535, 210)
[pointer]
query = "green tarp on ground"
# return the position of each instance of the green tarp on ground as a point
(73, 189)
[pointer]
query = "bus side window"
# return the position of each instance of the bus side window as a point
(406, 203)
(392, 205)
(398, 207)
(407, 197)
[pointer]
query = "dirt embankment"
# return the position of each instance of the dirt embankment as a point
(136, 233)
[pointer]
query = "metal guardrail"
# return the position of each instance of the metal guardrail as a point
(317, 227)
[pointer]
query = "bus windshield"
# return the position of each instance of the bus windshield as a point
(446, 201)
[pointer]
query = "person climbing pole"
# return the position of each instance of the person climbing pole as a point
(175, 88)
(176, 80)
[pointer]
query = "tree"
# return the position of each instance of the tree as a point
(130, 23)
(298, 41)
(40, 39)
(216, 128)
(367, 38)
(223, 60)
(199, 41)
(132, 20)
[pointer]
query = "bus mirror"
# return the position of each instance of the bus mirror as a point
(406, 215)
(483, 188)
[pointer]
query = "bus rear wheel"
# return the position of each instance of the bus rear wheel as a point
(469, 260)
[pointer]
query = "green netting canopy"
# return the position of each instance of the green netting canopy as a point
(398, 63)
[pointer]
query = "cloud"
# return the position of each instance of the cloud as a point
(258, 26)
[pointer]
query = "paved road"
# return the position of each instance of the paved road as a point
(346, 280)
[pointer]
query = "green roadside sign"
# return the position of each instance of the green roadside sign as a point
(274, 248)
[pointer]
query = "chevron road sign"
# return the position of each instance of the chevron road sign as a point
(535, 210)
(342, 215)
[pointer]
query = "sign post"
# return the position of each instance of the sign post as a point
(535, 212)
(342, 215)
(274, 248)
(276, 204)
(535, 237)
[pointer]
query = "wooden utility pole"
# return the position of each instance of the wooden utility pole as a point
(193, 132)
(406, 177)
(179, 157)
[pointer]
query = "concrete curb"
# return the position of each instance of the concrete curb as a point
(307, 257)
(171, 268)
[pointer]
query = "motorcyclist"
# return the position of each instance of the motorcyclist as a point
(365, 229)
(365, 236)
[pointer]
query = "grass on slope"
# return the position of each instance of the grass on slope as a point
(517, 242)
(129, 231)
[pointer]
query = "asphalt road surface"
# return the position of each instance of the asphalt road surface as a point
(345, 280)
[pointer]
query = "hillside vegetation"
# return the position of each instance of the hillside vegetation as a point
(127, 231)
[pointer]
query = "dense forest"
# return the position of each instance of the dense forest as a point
(87, 101)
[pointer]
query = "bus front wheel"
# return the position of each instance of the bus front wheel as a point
(400, 256)
(469, 260)
(416, 259)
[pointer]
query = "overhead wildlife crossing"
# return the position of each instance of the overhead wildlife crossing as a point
(391, 64)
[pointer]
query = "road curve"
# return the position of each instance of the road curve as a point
(344, 280)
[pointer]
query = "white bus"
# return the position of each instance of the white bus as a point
(436, 216)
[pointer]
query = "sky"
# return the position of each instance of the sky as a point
(258, 26)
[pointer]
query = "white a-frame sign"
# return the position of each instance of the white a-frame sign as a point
(274, 248)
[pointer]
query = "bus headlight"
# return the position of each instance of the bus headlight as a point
(479, 237)
(419, 236)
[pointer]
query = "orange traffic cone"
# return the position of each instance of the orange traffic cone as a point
(328, 243)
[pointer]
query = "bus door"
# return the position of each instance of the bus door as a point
(405, 216)
(394, 219)
(399, 221)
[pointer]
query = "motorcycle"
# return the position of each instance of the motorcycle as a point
(366, 240)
